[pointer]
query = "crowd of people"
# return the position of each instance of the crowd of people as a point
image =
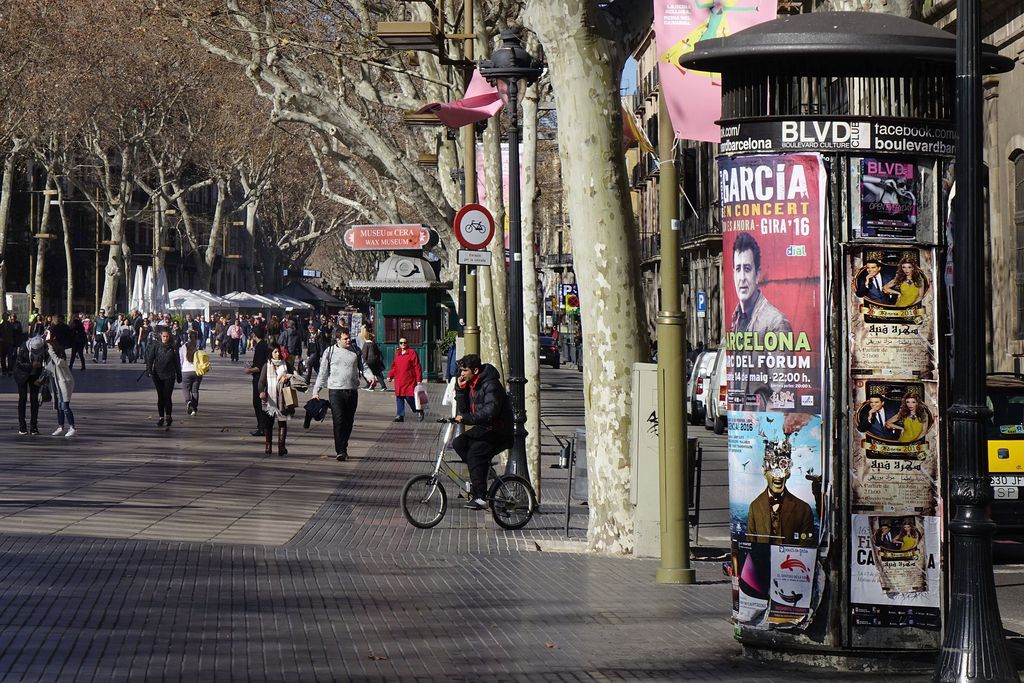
(287, 355)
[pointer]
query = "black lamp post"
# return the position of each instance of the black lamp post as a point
(973, 646)
(516, 68)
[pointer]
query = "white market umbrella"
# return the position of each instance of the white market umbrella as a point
(135, 303)
(147, 291)
(160, 295)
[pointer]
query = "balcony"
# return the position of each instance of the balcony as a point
(556, 261)
(650, 248)
(699, 228)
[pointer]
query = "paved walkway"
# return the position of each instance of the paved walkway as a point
(129, 554)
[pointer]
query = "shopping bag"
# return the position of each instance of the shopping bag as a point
(420, 396)
(290, 397)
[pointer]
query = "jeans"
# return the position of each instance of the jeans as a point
(101, 343)
(5, 357)
(64, 410)
(25, 391)
(312, 366)
(190, 382)
(343, 415)
(233, 349)
(400, 402)
(257, 404)
(477, 452)
(164, 391)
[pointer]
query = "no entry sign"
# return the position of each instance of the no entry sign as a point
(386, 237)
(474, 226)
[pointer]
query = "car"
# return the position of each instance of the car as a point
(549, 353)
(697, 385)
(717, 405)
(1005, 436)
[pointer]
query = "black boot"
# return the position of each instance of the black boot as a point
(282, 432)
(267, 441)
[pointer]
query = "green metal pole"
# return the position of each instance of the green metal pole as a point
(672, 455)
(471, 332)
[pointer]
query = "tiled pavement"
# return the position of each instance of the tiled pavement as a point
(130, 554)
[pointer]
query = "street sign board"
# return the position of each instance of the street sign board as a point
(471, 257)
(474, 226)
(386, 237)
(702, 304)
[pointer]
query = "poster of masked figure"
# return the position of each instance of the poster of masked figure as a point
(894, 447)
(892, 312)
(775, 490)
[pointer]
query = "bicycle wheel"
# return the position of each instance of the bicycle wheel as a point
(424, 501)
(512, 501)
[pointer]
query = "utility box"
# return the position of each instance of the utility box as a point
(834, 179)
(645, 490)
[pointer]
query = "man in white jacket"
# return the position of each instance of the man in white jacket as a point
(340, 370)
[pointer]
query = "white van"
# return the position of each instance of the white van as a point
(696, 406)
(717, 405)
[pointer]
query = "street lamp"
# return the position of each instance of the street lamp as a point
(973, 646)
(517, 69)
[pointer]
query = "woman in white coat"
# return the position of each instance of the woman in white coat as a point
(275, 376)
(62, 385)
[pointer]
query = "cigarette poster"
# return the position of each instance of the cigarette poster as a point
(889, 192)
(894, 447)
(772, 224)
(895, 571)
(892, 312)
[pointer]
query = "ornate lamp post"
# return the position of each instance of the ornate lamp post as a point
(512, 65)
(973, 647)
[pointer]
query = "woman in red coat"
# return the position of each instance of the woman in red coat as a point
(405, 374)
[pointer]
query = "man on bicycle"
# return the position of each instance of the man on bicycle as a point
(484, 407)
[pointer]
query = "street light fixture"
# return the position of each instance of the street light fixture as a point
(517, 69)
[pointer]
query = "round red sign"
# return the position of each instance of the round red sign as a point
(474, 226)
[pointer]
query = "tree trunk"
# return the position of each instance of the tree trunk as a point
(531, 309)
(251, 212)
(65, 226)
(113, 272)
(158, 234)
(207, 261)
(585, 67)
(6, 187)
(41, 245)
(492, 282)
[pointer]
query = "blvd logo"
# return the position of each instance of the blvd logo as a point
(826, 134)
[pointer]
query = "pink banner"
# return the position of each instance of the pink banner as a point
(695, 97)
(482, 101)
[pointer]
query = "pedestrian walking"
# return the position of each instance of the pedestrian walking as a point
(79, 339)
(291, 340)
(6, 344)
(374, 361)
(260, 356)
(28, 370)
(406, 373)
(234, 338)
(275, 379)
(316, 344)
(220, 334)
(126, 340)
(340, 371)
(194, 365)
(100, 328)
(62, 386)
(163, 365)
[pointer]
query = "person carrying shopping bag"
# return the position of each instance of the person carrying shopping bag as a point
(406, 373)
(274, 384)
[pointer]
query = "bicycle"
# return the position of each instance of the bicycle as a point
(424, 501)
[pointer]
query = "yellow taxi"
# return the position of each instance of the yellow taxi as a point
(1005, 432)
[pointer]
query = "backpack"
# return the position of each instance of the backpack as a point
(201, 361)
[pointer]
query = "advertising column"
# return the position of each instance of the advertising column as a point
(773, 213)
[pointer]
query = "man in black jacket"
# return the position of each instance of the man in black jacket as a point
(260, 355)
(28, 368)
(483, 406)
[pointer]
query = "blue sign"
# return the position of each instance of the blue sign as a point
(702, 304)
